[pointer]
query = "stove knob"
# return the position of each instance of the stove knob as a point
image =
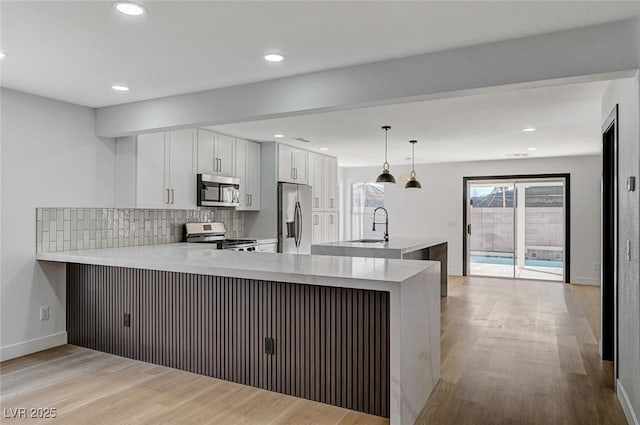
(240, 249)
(251, 249)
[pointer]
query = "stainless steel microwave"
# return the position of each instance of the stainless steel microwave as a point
(218, 191)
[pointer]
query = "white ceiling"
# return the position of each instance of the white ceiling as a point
(470, 128)
(75, 51)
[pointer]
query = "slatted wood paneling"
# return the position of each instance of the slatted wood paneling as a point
(331, 344)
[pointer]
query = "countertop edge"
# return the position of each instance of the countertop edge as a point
(328, 279)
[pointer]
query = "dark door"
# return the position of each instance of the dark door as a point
(609, 235)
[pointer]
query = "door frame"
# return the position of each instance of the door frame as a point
(609, 293)
(567, 213)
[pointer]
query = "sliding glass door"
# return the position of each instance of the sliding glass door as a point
(516, 227)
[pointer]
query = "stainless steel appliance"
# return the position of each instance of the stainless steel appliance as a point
(213, 233)
(217, 191)
(294, 218)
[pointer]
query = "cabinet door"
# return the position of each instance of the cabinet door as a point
(151, 187)
(181, 170)
(253, 179)
(300, 161)
(315, 180)
(285, 164)
(206, 152)
(330, 227)
(241, 173)
(225, 153)
(317, 234)
(330, 183)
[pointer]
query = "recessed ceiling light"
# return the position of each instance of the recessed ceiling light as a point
(324, 149)
(119, 87)
(274, 57)
(130, 8)
(528, 129)
(531, 149)
(2, 55)
(278, 136)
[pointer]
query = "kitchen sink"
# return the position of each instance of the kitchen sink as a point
(368, 240)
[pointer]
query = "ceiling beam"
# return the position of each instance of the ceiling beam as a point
(596, 52)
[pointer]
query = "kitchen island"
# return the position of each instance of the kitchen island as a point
(407, 248)
(361, 333)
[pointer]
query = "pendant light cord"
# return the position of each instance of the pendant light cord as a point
(385, 166)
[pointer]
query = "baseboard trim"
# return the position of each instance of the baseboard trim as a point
(20, 349)
(632, 418)
(585, 281)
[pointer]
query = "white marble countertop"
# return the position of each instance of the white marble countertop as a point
(201, 259)
(401, 245)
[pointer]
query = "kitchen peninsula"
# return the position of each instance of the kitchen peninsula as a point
(407, 248)
(361, 333)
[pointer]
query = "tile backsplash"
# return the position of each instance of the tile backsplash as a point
(65, 229)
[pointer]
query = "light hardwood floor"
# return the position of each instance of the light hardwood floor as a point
(513, 352)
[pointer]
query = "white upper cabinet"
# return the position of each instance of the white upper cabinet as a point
(300, 160)
(316, 170)
(247, 168)
(323, 178)
(292, 164)
(151, 179)
(206, 152)
(165, 170)
(182, 174)
(225, 153)
(330, 183)
(216, 154)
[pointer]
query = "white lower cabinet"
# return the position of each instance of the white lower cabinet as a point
(330, 227)
(266, 247)
(316, 221)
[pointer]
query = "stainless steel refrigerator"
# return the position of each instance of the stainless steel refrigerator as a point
(294, 218)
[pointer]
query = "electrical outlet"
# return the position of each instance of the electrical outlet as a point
(269, 346)
(44, 313)
(596, 267)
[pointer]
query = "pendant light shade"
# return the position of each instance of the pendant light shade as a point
(413, 183)
(385, 176)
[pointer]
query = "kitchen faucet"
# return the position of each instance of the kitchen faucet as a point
(386, 222)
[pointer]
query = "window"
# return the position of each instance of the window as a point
(365, 198)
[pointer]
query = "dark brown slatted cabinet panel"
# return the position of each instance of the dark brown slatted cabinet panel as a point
(331, 343)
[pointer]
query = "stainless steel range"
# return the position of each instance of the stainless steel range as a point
(213, 233)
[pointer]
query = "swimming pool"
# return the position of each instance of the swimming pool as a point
(482, 259)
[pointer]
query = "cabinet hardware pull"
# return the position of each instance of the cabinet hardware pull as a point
(316, 220)
(173, 196)
(168, 197)
(331, 203)
(251, 199)
(246, 199)
(331, 219)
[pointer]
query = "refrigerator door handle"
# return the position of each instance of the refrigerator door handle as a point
(298, 225)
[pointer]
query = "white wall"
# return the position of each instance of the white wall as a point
(437, 209)
(50, 157)
(626, 94)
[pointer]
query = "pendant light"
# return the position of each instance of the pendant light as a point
(386, 176)
(413, 183)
